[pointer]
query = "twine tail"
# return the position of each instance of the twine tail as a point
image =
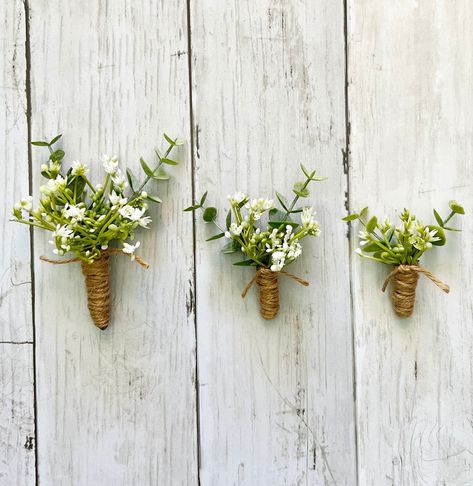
(98, 290)
(405, 279)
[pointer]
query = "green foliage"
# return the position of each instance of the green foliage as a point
(83, 218)
(273, 246)
(405, 243)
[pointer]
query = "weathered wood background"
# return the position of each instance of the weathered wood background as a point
(189, 386)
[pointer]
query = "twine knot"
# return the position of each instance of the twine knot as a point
(405, 279)
(268, 286)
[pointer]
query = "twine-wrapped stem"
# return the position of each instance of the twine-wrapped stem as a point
(97, 283)
(268, 286)
(403, 295)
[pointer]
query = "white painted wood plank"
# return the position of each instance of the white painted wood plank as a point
(15, 275)
(17, 443)
(276, 398)
(116, 407)
(411, 145)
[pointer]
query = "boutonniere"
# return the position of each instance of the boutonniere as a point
(89, 220)
(403, 247)
(266, 237)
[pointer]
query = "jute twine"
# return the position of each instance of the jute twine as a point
(405, 279)
(268, 285)
(97, 283)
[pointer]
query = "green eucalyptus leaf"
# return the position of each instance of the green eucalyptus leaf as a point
(216, 237)
(300, 190)
(228, 219)
(193, 208)
(57, 155)
(203, 198)
(160, 174)
(55, 139)
(438, 218)
(282, 200)
(276, 215)
(169, 140)
(448, 228)
(371, 225)
(209, 214)
(132, 180)
(40, 143)
(146, 168)
(154, 199)
(168, 161)
(456, 207)
(351, 217)
(363, 211)
(370, 248)
(440, 234)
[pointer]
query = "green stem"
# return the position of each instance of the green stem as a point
(147, 179)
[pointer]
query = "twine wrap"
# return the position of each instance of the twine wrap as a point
(97, 283)
(268, 286)
(405, 279)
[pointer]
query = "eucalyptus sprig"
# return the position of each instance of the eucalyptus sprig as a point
(275, 245)
(405, 244)
(85, 218)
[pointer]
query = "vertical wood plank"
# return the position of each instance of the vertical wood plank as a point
(276, 398)
(15, 276)
(116, 407)
(412, 145)
(17, 429)
(17, 436)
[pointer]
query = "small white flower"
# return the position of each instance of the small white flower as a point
(116, 199)
(119, 180)
(308, 221)
(227, 234)
(104, 247)
(98, 187)
(237, 198)
(144, 194)
(131, 213)
(130, 249)
(358, 251)
(79, 169)
(53, 186)
(74, 212)
(144, 221)
(25, 204)
(110, 164)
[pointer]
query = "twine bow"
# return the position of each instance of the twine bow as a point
(405, 281)
(268, 285)
(97, 284)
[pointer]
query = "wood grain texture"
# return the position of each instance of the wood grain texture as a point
(17, 442)
(116, 407)
(412, 145)
(15, 275)
(276, 398)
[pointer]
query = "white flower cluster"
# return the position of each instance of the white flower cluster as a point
(53, 186)
(283, 248)
(257, 207)
(110, 164)
(308, 221)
